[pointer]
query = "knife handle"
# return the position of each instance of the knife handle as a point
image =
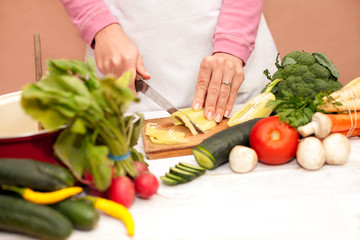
(138, 85)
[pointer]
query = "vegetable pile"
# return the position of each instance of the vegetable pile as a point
(313, 115)
(95, 146)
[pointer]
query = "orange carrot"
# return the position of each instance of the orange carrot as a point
(344, 121)
(355, 132)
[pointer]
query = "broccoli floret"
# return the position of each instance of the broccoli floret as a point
(304, 75)
(306, 59)
(320, 71)
(323, 85)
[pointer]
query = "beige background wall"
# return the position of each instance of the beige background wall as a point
(329, 26)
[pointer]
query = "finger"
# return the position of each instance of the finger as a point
(213, 93)
(133, 76)
(140, 68)
(225, 90)
(109, 63)
(236, 83)
(202, 84)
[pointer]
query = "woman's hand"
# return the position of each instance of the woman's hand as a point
(219, 80)
(116, 54)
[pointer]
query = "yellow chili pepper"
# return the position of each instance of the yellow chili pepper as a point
(115, 210)
(44, 198)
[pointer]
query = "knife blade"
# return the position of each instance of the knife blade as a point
(156, 97)
(144, 88)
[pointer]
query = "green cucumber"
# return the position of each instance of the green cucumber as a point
(169, 181)
(204, 157)
(34, 174)
(214, 150)
(189, 165)
(191, 170)
(41, 221)
(182, 173)
(175, 177)
(80, 212)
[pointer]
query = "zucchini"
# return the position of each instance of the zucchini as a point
(169, 181)
(80, 212)
(181, 173)
(34, 174)
(196, 172)
(177, 178)
(41, 221)
(214, 150)
(189, 165)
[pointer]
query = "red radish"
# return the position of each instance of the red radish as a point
(140, 167)
(122, 190)
(146, 185)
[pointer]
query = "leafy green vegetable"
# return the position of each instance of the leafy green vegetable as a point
(297, 110)
(305, 75)
(94, 111)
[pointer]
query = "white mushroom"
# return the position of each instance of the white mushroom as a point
(337, 149)
(320, 125)
(242, 159)
(310, 153)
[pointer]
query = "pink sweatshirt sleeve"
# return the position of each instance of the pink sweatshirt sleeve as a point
(89, 16)
(237, 27)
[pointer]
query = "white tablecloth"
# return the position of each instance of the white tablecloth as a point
(271, 202)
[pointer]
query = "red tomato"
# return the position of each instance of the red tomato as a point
(274, 142)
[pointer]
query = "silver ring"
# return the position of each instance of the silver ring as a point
(227, 83)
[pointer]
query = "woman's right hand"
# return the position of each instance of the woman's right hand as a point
(116, 54)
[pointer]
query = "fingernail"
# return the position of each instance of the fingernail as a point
(218, 118)
(210, 116)
(197, 107)
(226, 114)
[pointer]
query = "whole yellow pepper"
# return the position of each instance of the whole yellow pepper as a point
(115, 210)
(44, 198)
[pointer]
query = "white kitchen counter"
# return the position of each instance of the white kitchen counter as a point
(271, 202)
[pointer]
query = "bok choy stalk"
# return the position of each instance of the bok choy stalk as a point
(94, 111)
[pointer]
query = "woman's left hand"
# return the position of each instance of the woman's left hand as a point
(219, 80)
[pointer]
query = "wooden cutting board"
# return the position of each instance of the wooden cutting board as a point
(157, 151)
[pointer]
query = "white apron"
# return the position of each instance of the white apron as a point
(173, 36)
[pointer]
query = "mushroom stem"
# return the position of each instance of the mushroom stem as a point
(320, 125)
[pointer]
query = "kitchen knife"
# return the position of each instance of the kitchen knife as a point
(156, 97)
